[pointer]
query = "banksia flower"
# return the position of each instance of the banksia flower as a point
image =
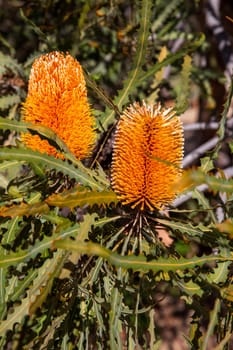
(57, 98)
(147, 156)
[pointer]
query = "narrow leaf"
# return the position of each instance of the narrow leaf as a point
(79, 173)
(183, 87)
(78, 197)
(43, 131)
(46, 273)
(193, 178)
(24, 209)
(138, 263)
(78, 231)
(220, 272)
(165, 14)
(188, 229)
(12, 259)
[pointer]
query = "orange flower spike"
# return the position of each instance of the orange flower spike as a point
(57, 98)
(147, 156)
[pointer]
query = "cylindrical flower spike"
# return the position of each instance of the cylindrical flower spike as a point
(147, 156)
(57, 98)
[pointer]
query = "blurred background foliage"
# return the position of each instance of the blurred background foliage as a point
(171, 54)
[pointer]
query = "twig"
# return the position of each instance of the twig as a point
(206, 126)
(191, 157)
(201, 126)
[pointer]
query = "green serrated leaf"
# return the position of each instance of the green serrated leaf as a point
(38, 291)
(79, 197)
(114, 318)
(43, 131)
(76, 197)
(80, 173)
(85, 226)
(17, 288)
(204, 203)
(13, 227)
(78, 231)
(188, 229)
(24, 210)
(50, 333)
(220, 272)
(12, 259)
(190, 287)
(138, 263)
(165, 14)
(43, 284)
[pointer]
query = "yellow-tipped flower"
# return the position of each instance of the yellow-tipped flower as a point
(57, 98)
(147, 156)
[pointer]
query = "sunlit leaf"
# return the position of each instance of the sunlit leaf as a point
(78, 197)
(227, 227)
(138, 263)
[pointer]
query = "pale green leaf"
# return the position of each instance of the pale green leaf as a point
(7, 61)
(185, 228)
(80, 173)
(138, 263)
(80, 197)
(9, 100)
(206, 164)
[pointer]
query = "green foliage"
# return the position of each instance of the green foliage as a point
(77, 171)
(78, 197)
(9, 63)
(138, 263)
(77, 269)
(139, 59)
(8, 101)
(164, 15)
(183, 89)
(193, 178)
